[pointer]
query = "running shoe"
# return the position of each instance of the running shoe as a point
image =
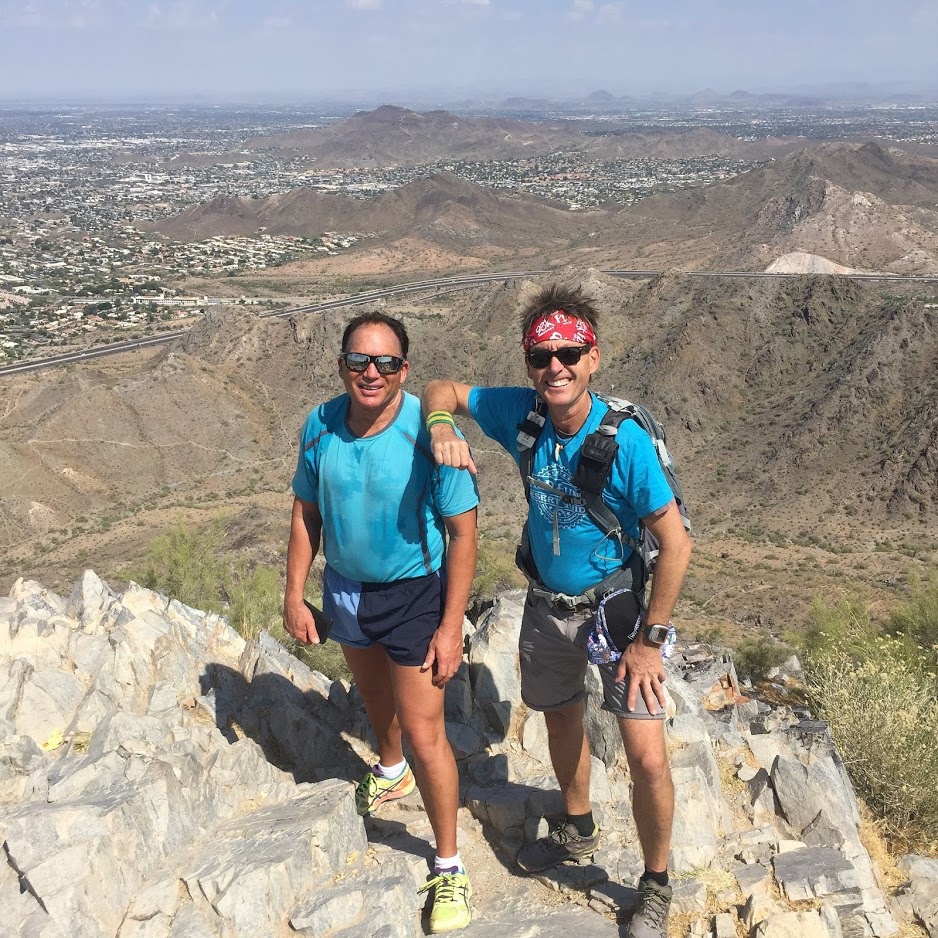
(373, 790)
(563, 842)
(651, 917)
(451, 894)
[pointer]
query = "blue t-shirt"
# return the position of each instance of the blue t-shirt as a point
(636, 487)
(382, 498)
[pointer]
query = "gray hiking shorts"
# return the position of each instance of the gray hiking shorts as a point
(553, 662)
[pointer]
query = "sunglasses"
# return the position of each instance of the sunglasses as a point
(570, 355)
(384, 364)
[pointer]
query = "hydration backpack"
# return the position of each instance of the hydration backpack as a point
(593, 467)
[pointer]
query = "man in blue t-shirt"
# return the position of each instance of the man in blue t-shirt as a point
(368, 489)
(569, 556)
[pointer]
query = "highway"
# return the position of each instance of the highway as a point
(418, 286)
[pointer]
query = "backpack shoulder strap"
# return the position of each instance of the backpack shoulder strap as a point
(597, 455)
(528, 432)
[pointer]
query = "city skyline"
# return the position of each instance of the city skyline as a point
(382, 49)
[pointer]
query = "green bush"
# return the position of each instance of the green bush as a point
(917, 619)
(187, 565)
(880, 696)
(254, 597)
(495, 568)
(754, 658)
(190, 566)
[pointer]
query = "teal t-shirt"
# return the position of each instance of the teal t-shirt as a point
(382, 498)
(636, 487)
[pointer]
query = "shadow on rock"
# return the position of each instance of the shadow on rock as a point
(299, 729)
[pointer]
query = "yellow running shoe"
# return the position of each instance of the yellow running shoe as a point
(373, 790)
(451, 894)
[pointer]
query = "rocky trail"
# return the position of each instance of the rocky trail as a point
(161, 776)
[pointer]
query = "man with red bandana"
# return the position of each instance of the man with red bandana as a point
(571, 556)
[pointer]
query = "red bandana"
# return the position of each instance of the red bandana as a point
(559, 325)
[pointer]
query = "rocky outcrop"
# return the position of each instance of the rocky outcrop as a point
(160, 776)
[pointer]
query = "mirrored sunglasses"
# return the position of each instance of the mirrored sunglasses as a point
(540, 358)
(384, 364)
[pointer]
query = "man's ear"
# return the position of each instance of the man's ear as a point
(594, 357)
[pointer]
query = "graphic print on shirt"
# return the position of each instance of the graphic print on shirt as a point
(549, 500)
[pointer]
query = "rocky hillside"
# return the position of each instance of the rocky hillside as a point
(440, 208)
(859, 205)
(208, 782)
(800, 408)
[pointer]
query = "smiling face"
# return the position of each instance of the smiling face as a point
(374, 398)
(565, 388)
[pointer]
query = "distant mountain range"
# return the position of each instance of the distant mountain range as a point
(860, 205)
(395, 136)
(855, 93)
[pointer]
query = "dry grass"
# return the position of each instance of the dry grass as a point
(883, 714)
(873, 836)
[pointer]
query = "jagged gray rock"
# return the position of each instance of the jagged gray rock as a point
(920, 896)
(208, 781)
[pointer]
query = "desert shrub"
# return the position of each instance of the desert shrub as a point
(495, 569)
(186, 564)
(917, 619)
(754, 658)
(190, 565)
(255, 600)
(880, 697)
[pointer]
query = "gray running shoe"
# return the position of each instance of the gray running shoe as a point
(651, 917)
(563, 842)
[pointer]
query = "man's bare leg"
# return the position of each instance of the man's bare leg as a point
(371, 671)
(570, 756)
(652, 788)
(420, 711)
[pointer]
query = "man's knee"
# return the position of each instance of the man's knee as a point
(648, 765)
(565, 721)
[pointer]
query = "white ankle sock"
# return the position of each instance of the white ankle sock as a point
(391, 771)
(448, 863)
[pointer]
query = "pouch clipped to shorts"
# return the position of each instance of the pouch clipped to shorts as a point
(616, 623)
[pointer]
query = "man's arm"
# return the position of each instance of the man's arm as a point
(305, 535)
(445, 652)
(642, 660)
(448, 448)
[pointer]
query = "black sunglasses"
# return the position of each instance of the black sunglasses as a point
(359, 362)
(570, 355)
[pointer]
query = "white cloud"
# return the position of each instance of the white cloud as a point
(181, 15)
(28, 15)
(476, 3)
(610, 13)
(363, 4)
(582, 9)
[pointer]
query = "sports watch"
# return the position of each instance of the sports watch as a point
(657, 634)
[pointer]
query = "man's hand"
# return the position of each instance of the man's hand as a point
(642, 663)
(444, 654)
(449, 449)
(298, 621)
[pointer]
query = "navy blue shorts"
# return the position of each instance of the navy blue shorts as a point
(401, 616)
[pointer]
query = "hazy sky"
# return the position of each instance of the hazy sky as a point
(388, 48)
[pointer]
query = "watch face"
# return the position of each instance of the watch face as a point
(658, 634)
